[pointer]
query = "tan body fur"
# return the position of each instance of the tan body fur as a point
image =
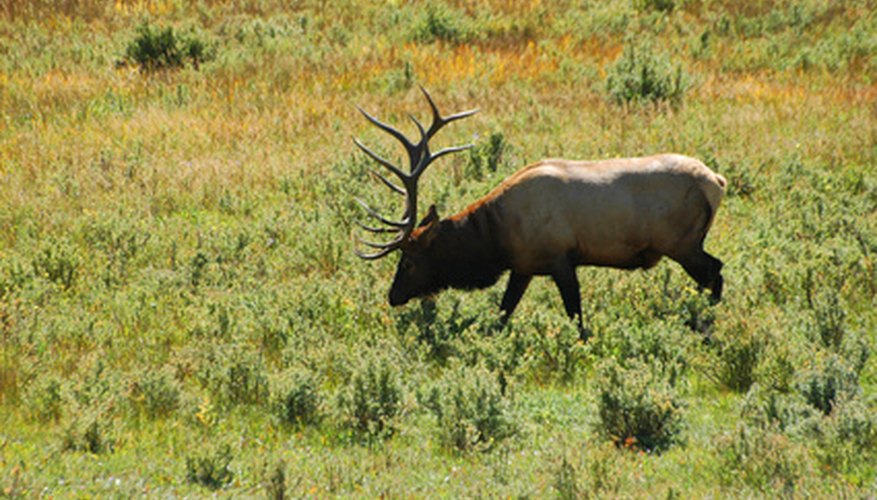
(618, 213)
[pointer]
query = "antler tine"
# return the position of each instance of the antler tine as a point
(373, 256)
(453, 149)
(375, 229)
(423, 145)
(374, 156)
(387, 182)
(402, 225)
(439, 121)
(381, 246)
(411, 149)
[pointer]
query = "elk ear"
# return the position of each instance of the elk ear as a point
(430, 218)
(430, 226)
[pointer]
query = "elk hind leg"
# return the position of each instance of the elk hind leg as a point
(705, 270)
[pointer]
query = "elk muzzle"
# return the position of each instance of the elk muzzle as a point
(398, 297)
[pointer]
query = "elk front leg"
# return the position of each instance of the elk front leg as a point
(564, 276)
(514, 291)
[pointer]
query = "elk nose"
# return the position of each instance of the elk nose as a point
(397, 298)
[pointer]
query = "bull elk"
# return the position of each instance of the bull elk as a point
(545, 220)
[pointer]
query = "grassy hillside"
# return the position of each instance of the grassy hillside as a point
(181, 311)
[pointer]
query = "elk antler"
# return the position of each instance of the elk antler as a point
(419, 158)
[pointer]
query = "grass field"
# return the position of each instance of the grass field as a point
(182, 313)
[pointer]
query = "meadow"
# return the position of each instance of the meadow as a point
(182, 311)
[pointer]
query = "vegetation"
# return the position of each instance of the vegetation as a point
(181, 312)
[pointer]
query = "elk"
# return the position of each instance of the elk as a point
(546, 220)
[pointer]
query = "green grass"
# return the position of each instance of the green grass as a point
(181, 311)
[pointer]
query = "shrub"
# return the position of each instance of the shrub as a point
(87, 435)
(297, 401)
(684, 305)
(487, 156)
(439, 23)
(372, 398)
(56, 262)
(825, 381)
(275, 485)
(637, 406)
(163, 48)
(771, 409)
(655, 5)
(659, 345)
(245, 382)
(855, 351)
(400, 79)
(566, 482)
(558, 352)
(738, 357)
(45, 401)
(436, 328)
(212, 469)
(469, 408)
(641, 76)
(777, 366)
(235, 377)
(606, 469)
(830, 316)
(761, 458)
(849, 436)
(155, 394)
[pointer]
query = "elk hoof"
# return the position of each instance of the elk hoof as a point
(584, 334)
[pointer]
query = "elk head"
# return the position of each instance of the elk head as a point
(414, 273)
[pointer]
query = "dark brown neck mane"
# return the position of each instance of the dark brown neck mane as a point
(467, 249)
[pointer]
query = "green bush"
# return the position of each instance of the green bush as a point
(163, 48)
(45, 401)
(372, 398)
(557, 352)
(211, 469)
(848, 440)
(486, 157)
(777, 366)
(297, 400)
(399, 79)
(90, 435)
(684, 305)
(768, 408)
(236, 377)
(566, 482)
(660, 345)
(470, 411)
(830, 317)
(739, 353)
(605, 470)
(655, 5)
(828, 378)
(440, 23)
(439, 329)
(637, 406)
(58, 262)
(155, 393)
(275, 485)
(641, 76)
(855, 350)
(760, 458)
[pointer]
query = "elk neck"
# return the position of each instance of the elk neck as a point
(468, 250)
